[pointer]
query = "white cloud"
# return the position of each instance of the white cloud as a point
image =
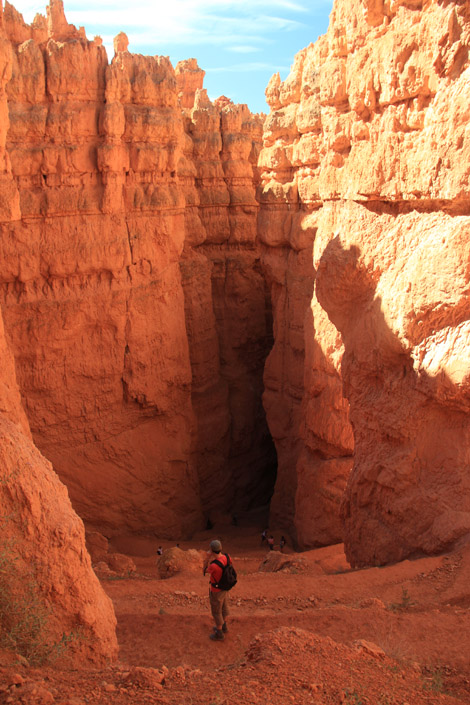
(190, 22)
(243, 49)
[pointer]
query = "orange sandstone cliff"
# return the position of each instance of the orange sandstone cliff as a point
(365, 226)
(152, 255)
(42, 540)
(131, 285)
(136, 316)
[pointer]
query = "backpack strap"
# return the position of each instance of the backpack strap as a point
(221, 565)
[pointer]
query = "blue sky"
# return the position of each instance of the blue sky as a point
(239, 43)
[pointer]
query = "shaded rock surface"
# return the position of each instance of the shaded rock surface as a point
(46, 572)
(365, 226)
(130, 283)
(49, 589)
(152, 254)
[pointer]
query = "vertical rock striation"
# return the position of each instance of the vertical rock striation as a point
(130, 283)
(42, 540)
(306, 411)
(42, 544)
(228, 311)
(143, 280)
(366, 146)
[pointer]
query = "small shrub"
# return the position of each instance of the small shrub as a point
(352, 697)
(24, 618)
(405, 603)
(435, 682)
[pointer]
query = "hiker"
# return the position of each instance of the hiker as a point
(264, 536)
(159, 551)
(271, 543)
(282, 543)
(219, 598)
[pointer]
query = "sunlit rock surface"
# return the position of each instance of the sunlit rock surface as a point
(365, 192)
(130, 284)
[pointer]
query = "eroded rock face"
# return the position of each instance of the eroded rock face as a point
(137, 284)
(45, 565)
(43, 547)
(174, 560)
(130, 284)
(42, 544)
(366, 176)
(227, 307)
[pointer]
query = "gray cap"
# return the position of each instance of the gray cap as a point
(216, 546)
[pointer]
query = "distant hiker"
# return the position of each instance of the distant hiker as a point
(159, 551)
(222, 577)
(282, 543)
(264, 536)
(271, 543)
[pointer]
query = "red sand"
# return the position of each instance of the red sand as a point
(292, 635)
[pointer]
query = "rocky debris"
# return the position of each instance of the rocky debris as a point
(147, 677)
(97, 545)
(277, 651)
(102, 570)
(276, 561)
(30, 693)
(174, 560)
(372, 602)
(121, 564)
(367, 647)
(107, 564)
(315, 660)
(115, 565)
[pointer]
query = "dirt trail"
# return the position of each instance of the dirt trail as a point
(293, 635)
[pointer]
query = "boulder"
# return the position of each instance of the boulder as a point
(175, 560)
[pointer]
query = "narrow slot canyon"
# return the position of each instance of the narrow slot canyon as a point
(212, 316)
(134, 298)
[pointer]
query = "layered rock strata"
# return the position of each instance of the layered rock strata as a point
(130, 264)
(46, 575)
(136, 285)
(227, 307)
(365, 191)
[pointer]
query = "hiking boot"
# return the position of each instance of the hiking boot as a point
(224, 628)
(216, 635)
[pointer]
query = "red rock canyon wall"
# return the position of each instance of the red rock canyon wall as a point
(146, 242)
(131, 285)
(365, 189)
(42, 540)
